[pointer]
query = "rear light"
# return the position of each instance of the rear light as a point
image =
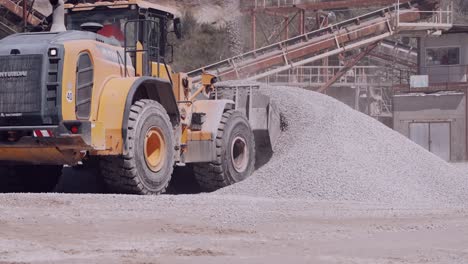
(74, 129)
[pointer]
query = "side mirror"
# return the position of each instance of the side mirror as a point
(178, 28)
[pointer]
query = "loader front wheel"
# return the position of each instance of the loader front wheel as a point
(147, 166)
(235, 151)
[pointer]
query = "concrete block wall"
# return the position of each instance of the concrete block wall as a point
(450, 108)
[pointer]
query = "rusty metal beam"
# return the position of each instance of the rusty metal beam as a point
(302, 22)
(19, 11)
(276, 36)
(25, 15)
(286, 28)
(254, 31)
(315, 45)
(319, 44)
(333, 5)
(262, 29)
(273, 13)
(349, 64)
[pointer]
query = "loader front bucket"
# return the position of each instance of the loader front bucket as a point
(265, 120)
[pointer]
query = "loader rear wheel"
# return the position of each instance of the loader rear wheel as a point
(147, 166)
(235, 151)
(30, 178)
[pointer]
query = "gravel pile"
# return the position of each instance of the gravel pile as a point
(331, 152)
(234, 26)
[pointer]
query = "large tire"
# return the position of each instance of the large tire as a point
(30, 178)
(147, 166)
(235, 151)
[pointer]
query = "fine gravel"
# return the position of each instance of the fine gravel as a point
(210, 229)
(330, 152)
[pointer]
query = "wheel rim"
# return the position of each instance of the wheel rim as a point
(239, 154)
(155, 149)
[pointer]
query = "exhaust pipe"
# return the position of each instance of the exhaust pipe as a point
(58, 16)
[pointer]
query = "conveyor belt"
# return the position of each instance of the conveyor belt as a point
(351, 34)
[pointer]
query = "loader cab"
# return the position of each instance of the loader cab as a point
(141, 28)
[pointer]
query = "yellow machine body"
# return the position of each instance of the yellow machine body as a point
(120, 76)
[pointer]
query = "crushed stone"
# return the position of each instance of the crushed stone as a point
(331, 152)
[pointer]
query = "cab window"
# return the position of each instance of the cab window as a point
(113, 21)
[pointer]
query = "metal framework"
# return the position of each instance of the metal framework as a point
(314, 77)
(335, 39)
(349, 64)
(285, 6)
(294, 12)
(15, 15)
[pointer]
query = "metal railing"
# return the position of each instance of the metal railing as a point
(445, 75)
(316, 76)
(440, 78)
(433, 19)
(275, 3)
(373, 84)
(437, 75)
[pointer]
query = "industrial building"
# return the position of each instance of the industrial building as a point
(432, 110)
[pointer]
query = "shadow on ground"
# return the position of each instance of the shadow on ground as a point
(80, 180)
(86, 179)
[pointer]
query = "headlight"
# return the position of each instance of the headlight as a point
(53, 52)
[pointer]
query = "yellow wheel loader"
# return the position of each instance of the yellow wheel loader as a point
(96, 86)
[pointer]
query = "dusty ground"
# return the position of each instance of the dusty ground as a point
(92, 228)
(95, 228)
(205, 229)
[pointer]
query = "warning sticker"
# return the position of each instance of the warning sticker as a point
(70, 96)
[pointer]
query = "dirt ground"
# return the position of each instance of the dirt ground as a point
(95, 228)
(208, 229)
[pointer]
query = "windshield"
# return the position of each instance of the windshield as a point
(113, 21)
(127, 27)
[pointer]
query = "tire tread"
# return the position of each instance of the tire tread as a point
(119, 172)
(211, 176)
